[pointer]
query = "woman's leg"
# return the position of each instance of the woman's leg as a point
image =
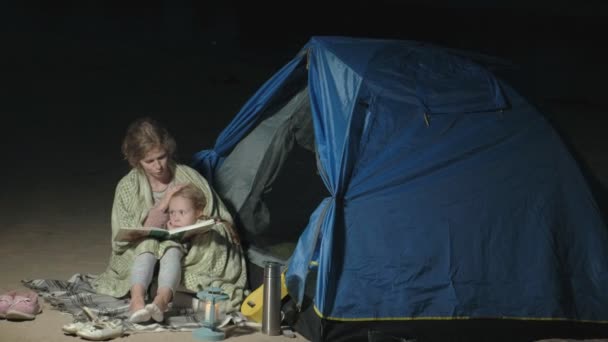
(169, 277)
(142, 272)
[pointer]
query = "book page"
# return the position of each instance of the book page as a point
(136, 233)
(204, 225)
(181, 233)
(188, 231)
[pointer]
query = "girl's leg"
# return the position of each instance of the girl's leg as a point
(142, 272)
(169, 276)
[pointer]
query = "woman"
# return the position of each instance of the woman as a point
(141, 199)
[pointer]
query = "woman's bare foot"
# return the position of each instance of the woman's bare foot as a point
(137, 298)
(137, 311)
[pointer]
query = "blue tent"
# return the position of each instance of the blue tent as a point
(449, 197)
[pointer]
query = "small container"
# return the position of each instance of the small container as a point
(271, 317)
(210, 311)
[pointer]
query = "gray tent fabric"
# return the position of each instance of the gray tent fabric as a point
(248, 173)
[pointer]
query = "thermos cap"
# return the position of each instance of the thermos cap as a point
(272, 269)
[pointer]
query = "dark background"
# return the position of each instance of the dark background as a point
(74, 73)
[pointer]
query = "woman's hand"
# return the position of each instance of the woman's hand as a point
(158, 216)
(233, 234)
(229, 228)
(163, 204)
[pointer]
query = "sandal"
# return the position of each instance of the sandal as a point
(97, 329)
(101, 330)
(91, 315)
(72, 328)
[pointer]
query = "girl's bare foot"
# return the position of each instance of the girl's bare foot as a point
(136, 305)
(163, 298)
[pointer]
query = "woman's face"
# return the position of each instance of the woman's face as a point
(156, 164)
(182, 212)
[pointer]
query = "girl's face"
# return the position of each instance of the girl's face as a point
(182, 212)
(155, 164)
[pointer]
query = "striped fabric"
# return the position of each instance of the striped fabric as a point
(70, 296)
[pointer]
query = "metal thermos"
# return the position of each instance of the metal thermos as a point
(271, 319)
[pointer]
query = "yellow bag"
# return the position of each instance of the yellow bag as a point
(252, 306)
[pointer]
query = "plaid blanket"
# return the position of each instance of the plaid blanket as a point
(71, 295)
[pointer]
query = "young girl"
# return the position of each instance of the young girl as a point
(186, 207)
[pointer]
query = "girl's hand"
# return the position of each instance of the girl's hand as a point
(170, 225)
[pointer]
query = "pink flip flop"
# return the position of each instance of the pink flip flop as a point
(25, 307)
(6, 300)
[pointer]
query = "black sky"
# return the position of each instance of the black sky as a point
(77, 71)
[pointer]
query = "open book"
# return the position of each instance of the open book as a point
(181, 233)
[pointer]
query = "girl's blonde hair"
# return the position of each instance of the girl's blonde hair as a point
(194, 194)
(143, 135)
